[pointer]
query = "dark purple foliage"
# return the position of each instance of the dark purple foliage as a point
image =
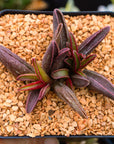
(99, 83)
(32, 100)
(59, 60)
(79, 81)
(50, 54)
(14, 63)
(57, 19)
(92, 42)
(66, 94)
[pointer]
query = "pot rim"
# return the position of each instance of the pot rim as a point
(16, 11)
(59, 136)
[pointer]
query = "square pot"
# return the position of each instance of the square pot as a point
(5, 12)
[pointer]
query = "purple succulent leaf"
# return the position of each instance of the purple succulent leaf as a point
(27, 77)
(73, 44)
(91, 42)
(66, 94)
(79, 81)
(14, 63)
(51, 52)
(57, 35)
(76, 60)
(32, 86)
(32, 100)
(99, 83)
(87, 60)
(41, 74)
(59, 60)
(57, 19)
(60, 73)
(69, 83)
(44, 91)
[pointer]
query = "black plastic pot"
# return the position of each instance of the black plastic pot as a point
(4, 12)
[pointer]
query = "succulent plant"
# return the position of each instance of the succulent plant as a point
(51, 75)
(62, 67)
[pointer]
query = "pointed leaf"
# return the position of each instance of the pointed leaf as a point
(100, 83)
(41, 74)
(76, 60)
(57, 19)
(27, 77)
(91, 42)
(73, 45)
(32, 100)
(59, 60)
(14, 63)
(79, 81)
(60, 73)
(51, 52)
(57, 35)
(69, 83)
(44, 91)
(69, 97)
(87, 60)
(32, 86)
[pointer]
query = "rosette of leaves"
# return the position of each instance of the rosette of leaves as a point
(40, 79)
(79, 57)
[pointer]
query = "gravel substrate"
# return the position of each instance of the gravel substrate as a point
(28, 36)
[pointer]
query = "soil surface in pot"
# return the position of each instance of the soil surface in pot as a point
(28, 36)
